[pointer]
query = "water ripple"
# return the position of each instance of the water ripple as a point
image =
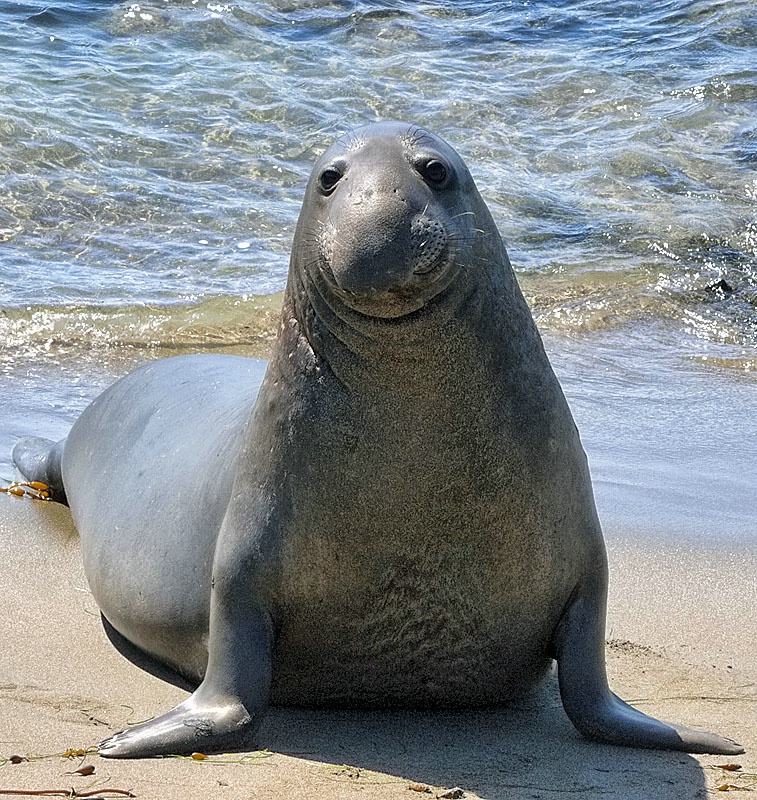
(144, 142)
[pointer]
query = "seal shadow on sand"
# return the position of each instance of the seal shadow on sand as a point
(521, 750)
(530, 750)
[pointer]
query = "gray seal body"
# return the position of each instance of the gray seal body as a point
(402, 515)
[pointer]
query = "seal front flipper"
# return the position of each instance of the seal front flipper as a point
(39, 459)
(199, 724)
(598, 713)
(226, 709)
(224, 712)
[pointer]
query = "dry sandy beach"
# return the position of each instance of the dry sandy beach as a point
(682, 629)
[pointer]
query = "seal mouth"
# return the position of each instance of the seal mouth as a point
(399, 300)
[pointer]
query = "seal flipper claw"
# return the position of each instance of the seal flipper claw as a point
(39, 459)
(601, 715)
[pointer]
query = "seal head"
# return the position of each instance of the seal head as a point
(390, 213)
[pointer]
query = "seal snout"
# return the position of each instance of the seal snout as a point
(377, 242)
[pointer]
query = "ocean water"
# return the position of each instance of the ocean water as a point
(154, 156)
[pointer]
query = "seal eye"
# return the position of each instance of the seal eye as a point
(329, 179)
(434, 172)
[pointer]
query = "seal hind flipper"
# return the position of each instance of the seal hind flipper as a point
(593, 708)
(39, 459)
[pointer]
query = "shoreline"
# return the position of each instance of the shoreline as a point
(681, 628)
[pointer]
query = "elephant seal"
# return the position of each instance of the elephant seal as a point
(402, 516)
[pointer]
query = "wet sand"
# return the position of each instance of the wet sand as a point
(681, 631)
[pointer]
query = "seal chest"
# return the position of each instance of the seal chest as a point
(419, 639)
(404, 562)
